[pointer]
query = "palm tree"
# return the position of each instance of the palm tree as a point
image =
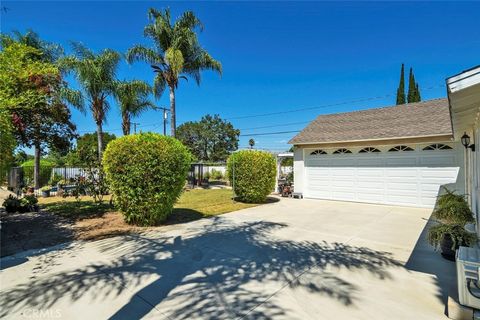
(96, 75)
(132, 97)
(176, 53)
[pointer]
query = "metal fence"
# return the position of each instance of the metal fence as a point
(21, 177)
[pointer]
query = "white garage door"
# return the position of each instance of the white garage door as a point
(410, 178)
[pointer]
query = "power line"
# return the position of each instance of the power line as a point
(325, 105)
(268, 133)
(277, 125)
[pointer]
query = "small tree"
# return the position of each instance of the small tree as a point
(252, 174)
(147, 173)
(33, 93)
(251, 143)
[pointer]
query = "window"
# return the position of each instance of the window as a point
(342, 151)
(437, 146)
(400, 148)
(317, 152)
(368, 150)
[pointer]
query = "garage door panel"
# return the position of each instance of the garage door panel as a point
(370, 172)
(371, 197)
(392, 173)
(370, 184)
(344, 183)
(402, 185)
(409, 178)
(344, 194)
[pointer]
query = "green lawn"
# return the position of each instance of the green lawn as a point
(192, 205)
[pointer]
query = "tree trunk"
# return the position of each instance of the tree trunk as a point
(173, 124)
(126, 123)
(100, 140)
(36, 166)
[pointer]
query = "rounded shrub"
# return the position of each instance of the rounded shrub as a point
(146, 172)
(252, 174)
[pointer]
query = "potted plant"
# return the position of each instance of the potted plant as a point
(12, 204)
(451, 214)
(46, 191)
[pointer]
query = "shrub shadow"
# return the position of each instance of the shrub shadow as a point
(207, 273)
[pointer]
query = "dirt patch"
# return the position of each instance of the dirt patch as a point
(33, 230)
(108, 225)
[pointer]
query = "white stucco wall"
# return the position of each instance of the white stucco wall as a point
(298, 169)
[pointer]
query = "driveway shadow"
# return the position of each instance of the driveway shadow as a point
(225, 271)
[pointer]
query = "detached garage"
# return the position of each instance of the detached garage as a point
(398, 155)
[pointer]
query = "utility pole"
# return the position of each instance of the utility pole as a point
(134, 126)
(165, 117)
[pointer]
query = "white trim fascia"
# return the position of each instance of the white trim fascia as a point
(380, 139)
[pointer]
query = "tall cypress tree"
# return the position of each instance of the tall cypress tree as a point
(401, 87)
(413, 89)
(418, 97)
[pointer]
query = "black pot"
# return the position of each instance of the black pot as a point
(446, 247)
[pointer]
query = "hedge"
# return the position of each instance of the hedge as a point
(146, 173)
(252, 174)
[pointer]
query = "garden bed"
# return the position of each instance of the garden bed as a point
(67, 219)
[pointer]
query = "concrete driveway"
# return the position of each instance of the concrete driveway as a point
(294, 259)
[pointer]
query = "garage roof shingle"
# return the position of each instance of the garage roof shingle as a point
(420, 119)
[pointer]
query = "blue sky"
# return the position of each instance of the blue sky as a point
(276, 57)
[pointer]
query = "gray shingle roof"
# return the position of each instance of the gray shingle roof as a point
(426, 118)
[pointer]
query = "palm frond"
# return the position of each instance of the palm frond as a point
(159, 85)
(74, 98)
(141, 53)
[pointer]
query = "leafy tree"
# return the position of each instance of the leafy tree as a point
(32, 92)
(132, 97)
(251, 143)
(176, 53)
(95, 74)
(210, 139)
(401, 87)
(87, 148)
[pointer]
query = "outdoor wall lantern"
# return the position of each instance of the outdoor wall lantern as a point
(466, 142)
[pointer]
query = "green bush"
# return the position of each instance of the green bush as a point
(252, 174)
(45, 171)
(146, 173)
(216, 174)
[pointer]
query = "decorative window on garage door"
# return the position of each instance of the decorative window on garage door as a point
(437, 146)
(342, 151)
(400, 148)
(369, 150)
(317, 152)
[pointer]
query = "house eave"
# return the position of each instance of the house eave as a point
(436, 137)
